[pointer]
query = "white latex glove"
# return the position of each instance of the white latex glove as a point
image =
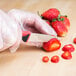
(10, 33)
(31, 22)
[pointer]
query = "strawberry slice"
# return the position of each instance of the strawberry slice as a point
(45, 59)
(68, 47)
(74, 41)
(55, 59)
(51, 14)
(66, 55)
(52, 45)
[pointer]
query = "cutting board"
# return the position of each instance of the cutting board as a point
(27, 61)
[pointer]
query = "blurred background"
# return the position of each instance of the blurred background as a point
(65, 6)
(38, 5)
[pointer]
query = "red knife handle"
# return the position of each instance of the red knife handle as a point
(26, 35)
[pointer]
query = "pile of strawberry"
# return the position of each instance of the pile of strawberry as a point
(61, 25)
(59, 22)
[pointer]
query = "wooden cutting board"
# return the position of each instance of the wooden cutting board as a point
(27, 60)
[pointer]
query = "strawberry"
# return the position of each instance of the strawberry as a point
(61, 25)
(59, 28)
(74, 40)
(66, 21)
(51, 14)
(52, 45)
(68, 47)
(66, 55)
(45, 59)
(55, 59)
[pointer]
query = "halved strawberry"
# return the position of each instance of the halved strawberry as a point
(51, 14)
(68, 47)
(52, 45)
(55, 59)
(66, 55)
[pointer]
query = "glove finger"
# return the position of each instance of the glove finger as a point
(32, 20)
(43, 27)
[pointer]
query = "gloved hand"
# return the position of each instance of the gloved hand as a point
(31, 22)
(15, 21)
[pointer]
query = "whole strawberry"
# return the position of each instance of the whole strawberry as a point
(65, 21)
(50, 14)
(61, 25)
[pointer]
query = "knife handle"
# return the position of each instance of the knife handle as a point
(26, 35)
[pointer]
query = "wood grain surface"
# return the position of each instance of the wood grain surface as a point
(27, 60)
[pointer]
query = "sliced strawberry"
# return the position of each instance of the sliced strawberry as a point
(66, 55)
(51, 14)
(74, 41)
(52, 45)
(55, 59)
(68, 47)
(45, 59)
(59, 27)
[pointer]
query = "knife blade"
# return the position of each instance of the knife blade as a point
(35, 37)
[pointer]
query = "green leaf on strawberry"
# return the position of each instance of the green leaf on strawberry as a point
(53, 20)
(62, 19)
(59, 15)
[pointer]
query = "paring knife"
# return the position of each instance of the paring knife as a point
(31, 38)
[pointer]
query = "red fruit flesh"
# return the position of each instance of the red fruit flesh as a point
(52, 45)
(50, 14)
(55, 59)
(74, 41)
(59, 27)
(45, 59)
(66, 55)
(68, 47)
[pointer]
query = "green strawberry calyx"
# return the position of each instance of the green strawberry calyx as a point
(59, 18)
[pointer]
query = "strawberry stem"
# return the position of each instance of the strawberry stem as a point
(65, 16)
(40, 15)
